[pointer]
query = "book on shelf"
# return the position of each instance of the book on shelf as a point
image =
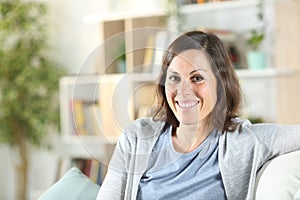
(96, 118)
(149, 53)
(161, 42)
(79, 118)
(87, 117)
(92, 168)
(156, 47)
(187, 2)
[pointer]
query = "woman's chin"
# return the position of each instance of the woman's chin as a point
(192, 120)
(188, 121)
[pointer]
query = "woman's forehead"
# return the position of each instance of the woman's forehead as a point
(190, 60)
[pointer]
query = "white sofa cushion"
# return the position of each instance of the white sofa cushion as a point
(279, 179)
(297, 195)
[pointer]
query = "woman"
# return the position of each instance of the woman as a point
(195, 147)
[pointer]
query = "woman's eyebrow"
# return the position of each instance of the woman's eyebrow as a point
(198, 70)
(174, 72)
(171, 71)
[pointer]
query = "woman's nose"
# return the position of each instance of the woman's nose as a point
(184, 88)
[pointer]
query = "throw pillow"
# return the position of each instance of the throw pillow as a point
(73, 185)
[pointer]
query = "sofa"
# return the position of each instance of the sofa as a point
(279, 179)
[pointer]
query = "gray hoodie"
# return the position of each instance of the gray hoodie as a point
(241, 154)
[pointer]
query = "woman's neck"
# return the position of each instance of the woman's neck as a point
(187, 138)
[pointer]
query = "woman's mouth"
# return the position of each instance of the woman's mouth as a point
(187, 104)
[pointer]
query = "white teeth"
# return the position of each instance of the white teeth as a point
(187, 104)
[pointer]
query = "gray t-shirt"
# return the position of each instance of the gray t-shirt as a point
(173, 175)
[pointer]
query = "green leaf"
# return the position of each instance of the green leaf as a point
(255, 39)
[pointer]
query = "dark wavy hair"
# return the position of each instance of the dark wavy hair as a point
(229, 96)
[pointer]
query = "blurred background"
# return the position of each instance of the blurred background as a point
(53, 53)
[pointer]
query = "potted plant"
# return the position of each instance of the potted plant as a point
(28, 84)
(256, 58)
(256, 39)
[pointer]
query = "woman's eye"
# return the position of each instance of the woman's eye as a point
(197, 79)
(174, 78)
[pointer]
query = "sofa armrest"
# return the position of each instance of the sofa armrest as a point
(297, 195)
(279, 179)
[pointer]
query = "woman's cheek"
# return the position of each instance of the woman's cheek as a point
(170, 95)
(170, 91)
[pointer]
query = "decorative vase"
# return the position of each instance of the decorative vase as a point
(256, 60)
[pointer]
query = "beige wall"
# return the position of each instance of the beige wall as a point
(287, 56)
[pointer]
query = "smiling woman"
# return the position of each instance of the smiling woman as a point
(191, 94)
(206, 52)
(195, 146)
(191, 87)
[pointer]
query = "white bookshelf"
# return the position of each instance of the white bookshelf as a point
(126, 91)
(264, 73)
(122, 95)
(81, 87)
(184, 9)
(215, 6)
(87, 89)
(118, 27)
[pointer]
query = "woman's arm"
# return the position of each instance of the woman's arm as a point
(130, 159)
(278, 139)
(286, 139)
(114, 184)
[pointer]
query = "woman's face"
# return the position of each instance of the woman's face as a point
(191, 87)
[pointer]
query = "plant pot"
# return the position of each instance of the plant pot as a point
(121, 66)
(256, 60)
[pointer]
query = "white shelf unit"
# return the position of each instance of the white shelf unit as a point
(131, 92)
(185, 9)
(88, 89)
(228, 15)
(73, 145)
(123, 29)
(117, 95)
(265, 73)
(132, 89)
(214, 6)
